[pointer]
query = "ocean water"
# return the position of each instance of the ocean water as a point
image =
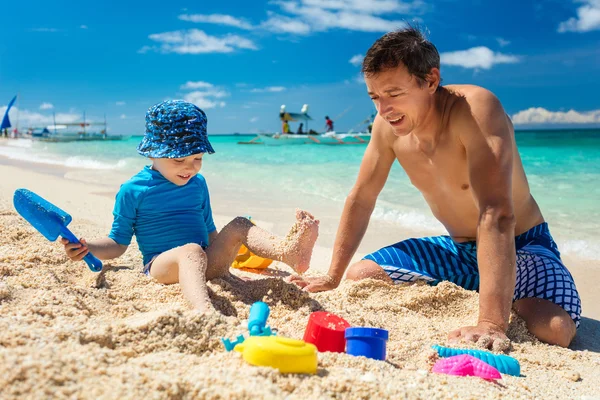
(563, 168)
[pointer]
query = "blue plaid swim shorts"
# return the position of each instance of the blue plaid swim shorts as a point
(540, 271)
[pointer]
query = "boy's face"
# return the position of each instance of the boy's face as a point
(178, 170)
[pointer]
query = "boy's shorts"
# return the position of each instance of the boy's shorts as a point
(540, 271)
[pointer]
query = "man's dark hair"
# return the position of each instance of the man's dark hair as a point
(406, 46)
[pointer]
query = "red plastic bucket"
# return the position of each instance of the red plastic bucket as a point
(326, 331)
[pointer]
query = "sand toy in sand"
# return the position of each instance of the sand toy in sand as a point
(247, 259)
(466, 365)
(257, 325)
(503, 363)
(326, 331)
(49, 220)
(289, 356)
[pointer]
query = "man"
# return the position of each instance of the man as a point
(457, 146)
(328, 124)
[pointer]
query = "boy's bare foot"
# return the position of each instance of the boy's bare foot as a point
(298, 244)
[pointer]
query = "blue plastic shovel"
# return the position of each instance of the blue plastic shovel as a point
(49, 220)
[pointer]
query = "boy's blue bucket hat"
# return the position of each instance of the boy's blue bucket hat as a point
(175, 129)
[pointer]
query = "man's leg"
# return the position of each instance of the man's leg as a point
(545, 294)
(187, 265)
(432, 259)
(295, 249)
(547, 321)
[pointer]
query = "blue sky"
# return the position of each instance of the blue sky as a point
(241, 60)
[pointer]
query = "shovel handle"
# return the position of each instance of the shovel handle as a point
(92, 262)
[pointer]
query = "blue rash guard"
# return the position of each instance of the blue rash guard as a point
(161, 214)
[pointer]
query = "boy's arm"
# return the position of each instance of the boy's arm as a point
(104, 249)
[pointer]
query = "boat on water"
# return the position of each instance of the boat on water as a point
(328, 138)
(71, 132)
(63, 132)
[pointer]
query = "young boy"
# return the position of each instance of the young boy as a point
(167, 207)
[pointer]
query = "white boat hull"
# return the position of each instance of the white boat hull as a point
(329, 139)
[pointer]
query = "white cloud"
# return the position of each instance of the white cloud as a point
(46, 106)
(539, 115)
(502, 42)
(355, 15)
(219, 19)
(282, 24)
(83, 26)
(270, 89)
(476, 57)
(194, 41)
(204, 94)
(189, 85)
(588, 18)
(35, 119)
(123, 116)
(356, 60)
(120, 103)
(254, 119)
(45, 30)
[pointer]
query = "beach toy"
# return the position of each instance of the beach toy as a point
(229, 345)
(326, 331)
(368, 342)
(247, 259)
(257, 321)
(466, 365)
(49, 220)
(289, 356)
(503, 363)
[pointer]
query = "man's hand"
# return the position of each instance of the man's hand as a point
(75, 251)
(315, 284)
(486, 334)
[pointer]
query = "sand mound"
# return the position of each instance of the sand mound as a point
(67, 332)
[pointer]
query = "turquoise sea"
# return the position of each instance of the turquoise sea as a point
(563, 167)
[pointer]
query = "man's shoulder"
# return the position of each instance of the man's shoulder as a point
(472, 105)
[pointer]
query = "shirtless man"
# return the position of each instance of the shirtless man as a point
(458, 148)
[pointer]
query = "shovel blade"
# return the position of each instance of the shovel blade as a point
(44, 216)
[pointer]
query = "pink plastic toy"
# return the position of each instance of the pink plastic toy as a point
(466, 365)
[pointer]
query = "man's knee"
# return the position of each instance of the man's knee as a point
(549, 322)
(366, 269)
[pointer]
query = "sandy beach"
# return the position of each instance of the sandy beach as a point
(69, 333)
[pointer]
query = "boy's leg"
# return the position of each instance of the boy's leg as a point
(295, 249)
(187, 265)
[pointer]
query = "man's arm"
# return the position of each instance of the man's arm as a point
(487, 136)
(374, 170)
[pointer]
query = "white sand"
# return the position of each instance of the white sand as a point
(67, 332)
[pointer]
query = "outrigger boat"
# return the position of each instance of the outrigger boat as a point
(328, 138)
(72, 132)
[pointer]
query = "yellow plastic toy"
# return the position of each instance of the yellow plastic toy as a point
(289, 356)
(246, 259)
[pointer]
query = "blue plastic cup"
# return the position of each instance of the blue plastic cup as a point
(367, 342)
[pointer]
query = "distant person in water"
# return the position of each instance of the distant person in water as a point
(167, 207)
(457, 146)
(300, 130)
(328, 124)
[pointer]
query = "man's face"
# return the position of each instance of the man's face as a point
(399, 98)
(178, 170)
